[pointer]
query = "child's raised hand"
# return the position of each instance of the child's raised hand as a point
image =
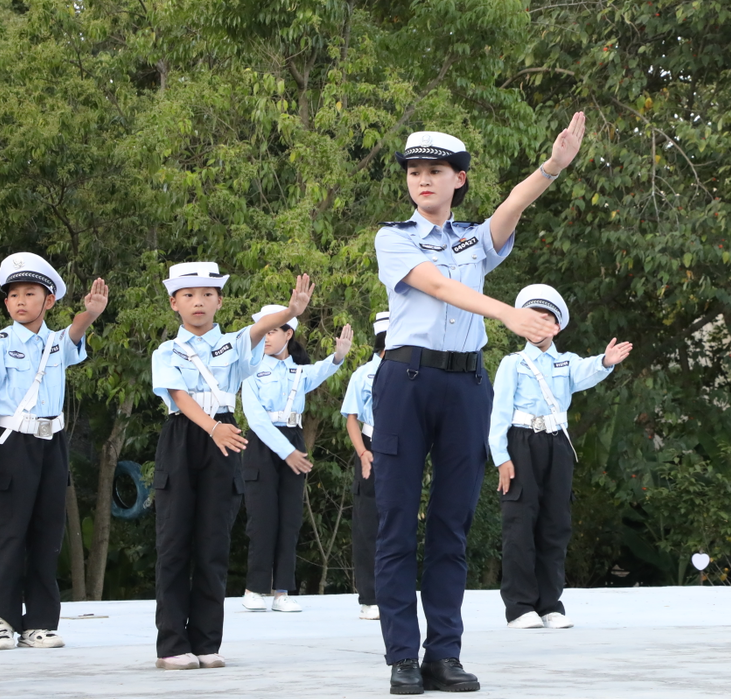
(301, 294)
(568, 142)
(616, 353)
(343, 343)
(96, 300)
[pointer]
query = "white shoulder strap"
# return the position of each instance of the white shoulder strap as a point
(205, 372)
(547, 395)
(293, 392)
(31, 397)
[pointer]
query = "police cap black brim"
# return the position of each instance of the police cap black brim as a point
(30, 277)
(460, 160)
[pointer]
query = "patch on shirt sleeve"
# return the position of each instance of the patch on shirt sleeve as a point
(180, 354)
(241, 333)
(55, 348)
(221, 350)
(464, 244)
(263, 373)
(16, 355)
(3, 335)
(558, 365)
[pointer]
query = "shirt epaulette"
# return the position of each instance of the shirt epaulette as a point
(466, 224)
(398, 224)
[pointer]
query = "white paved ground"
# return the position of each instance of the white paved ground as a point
(639, 643)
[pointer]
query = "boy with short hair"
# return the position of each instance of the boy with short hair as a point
(33, 449)
(531, 447)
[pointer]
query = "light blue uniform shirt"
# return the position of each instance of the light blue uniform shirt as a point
(461, 251)
(267, 391)
(516, 388)
(229, 356)
(359, 396)
(20, 356)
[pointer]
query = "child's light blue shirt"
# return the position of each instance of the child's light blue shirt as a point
(359, 396)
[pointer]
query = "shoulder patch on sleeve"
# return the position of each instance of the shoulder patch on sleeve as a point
(398, 224)
(240, 333)
(3, 335)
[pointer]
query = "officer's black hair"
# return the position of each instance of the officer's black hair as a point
(296, 350)
(380, 343)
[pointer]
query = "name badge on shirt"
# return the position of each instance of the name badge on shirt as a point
(293, 371)
(221, 350)
(436, 248)
(55, 348)
(180, 354)
(558, 365)
(464, 244)
(17, 355)
(263, 373)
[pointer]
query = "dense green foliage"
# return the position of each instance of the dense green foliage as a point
(138, 134)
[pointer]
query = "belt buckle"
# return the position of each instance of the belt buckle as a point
(292, 420)
(44, 428)
(538, 424)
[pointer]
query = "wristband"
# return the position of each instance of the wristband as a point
(547, 175)
(210, 434)
(360, 456)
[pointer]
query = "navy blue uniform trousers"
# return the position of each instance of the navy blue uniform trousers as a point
(34, 474)
(447, 415)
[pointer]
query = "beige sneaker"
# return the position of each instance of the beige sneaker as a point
(40, 638)
(7, 635)
(211, 660)
(186, 661)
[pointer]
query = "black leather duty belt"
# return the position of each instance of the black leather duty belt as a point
(448, 361)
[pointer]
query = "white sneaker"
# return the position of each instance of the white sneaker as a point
(7, 635)
(556, 620)
(284, 603)
(369, 611)
(529, 620)
(186, 661)
(211, 660)
(254, 602)
(40, 638)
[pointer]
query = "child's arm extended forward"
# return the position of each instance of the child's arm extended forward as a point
(95, 302)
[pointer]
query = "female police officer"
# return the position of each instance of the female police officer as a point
(431, 395)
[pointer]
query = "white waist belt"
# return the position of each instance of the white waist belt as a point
(289, 419)
(206, 400)
(541, 423)
(41, 427)
(367, 429)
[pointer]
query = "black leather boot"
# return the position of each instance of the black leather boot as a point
(448, 675)
(406, 677)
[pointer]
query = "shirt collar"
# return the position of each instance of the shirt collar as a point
(424, 226)
(24, 334)
(211, 337)
(272, 361)
(533, 352)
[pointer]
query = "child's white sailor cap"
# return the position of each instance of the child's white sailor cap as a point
(188, 275)
(28, 267)
(381, 323)
(434, 145)
(274, 308)
(546, 297)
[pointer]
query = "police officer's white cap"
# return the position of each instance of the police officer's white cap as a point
(188, 275)
(434, 145)
(274, 308)
(381, 323)
(28, 267)
(546, 297)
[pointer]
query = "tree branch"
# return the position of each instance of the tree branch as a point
(545, 69)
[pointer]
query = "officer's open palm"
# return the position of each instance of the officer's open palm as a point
(529, 324)
(298, 462)
(568, 142)
(301, 294)
(616, 353)
(343, 344)
(96, 300)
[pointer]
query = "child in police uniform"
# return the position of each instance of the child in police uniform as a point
(275, 463)
(33, 449)
(198, 480)
(358, 406)
(531, 447)
(432, 396)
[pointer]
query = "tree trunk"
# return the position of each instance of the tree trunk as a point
(76, 543)
(103, 513)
